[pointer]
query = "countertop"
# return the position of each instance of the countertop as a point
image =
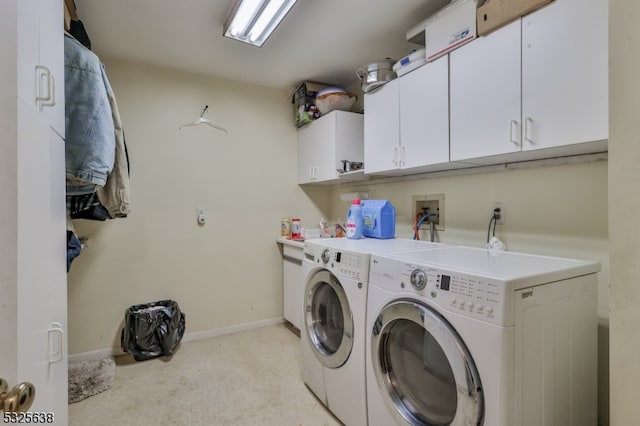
(293, 243)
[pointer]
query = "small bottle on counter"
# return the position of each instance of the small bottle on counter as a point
(285, 227)
(296, 232)
(324, 228)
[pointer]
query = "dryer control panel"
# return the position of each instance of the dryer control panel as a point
(482, 298)
(473, 296)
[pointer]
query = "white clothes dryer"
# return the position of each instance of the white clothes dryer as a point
(333, 335)
(464, 336)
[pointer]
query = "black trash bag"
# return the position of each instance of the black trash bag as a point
(152, 329)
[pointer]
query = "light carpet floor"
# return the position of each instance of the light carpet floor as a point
(247, 378)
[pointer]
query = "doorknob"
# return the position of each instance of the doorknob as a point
(18, 399)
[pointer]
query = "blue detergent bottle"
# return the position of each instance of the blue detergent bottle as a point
(355, 221)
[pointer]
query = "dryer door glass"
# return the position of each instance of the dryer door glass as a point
(419, 368)
(328, 324)
(328, 320)
(424, 367)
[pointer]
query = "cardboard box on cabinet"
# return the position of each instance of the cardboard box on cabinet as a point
(303, 101)
(450, 28)
(447, 29)
(497, 13)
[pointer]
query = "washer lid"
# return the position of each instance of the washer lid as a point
(519, 269)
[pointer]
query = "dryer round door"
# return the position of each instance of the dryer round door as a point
(328, 320)
(423, 368)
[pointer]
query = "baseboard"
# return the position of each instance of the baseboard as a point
(188, 337)
(206, 334)
(100, 353)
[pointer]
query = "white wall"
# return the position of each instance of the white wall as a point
(624, 209)
(553, 210)
(225, 273)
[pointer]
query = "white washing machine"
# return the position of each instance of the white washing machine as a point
(333, 335)
(465, 336)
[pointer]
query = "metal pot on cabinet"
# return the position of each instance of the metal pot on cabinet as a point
(376, 74)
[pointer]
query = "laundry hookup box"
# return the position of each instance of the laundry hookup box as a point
(379, 219)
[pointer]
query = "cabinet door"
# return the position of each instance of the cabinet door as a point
(326, 141)
(325, 136)
(32, 226)
(382, 129)
(424, 115)
(54, 263)
(51, 55)
(316, 150)
(293, 291)
(565, 74)
(42, 295)
(485, 95)
(349, 138)
(41, 59)
(307, 155)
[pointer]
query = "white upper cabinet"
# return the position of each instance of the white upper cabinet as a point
(533, 89)
(382, 128)
(424, 115)
(407, 122)
(40, 64)
(565, 96)
(325, 142)
(485, 95)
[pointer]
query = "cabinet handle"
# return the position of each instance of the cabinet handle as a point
(513, 124)
(50, 98)
(56, 355)
(528, 126)
(403, 156)
(395, 155)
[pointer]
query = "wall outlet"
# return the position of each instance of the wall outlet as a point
(202, 216)
(433, 204)
(500, 220)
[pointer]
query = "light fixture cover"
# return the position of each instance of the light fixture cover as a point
(253, 21)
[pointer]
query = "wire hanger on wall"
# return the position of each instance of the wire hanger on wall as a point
(205, 121)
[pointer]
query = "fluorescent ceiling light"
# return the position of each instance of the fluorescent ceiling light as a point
(253, 21)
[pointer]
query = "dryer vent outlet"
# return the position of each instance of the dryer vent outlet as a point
(429, 204)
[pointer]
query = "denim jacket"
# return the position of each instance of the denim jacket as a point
(90, 132)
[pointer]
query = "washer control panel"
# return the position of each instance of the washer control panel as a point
(481, 298)
(341, 262)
